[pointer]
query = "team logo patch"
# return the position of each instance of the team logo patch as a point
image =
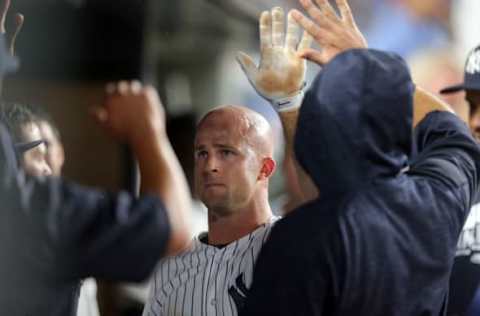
(473, 63)
(469, 241)
(239, 292)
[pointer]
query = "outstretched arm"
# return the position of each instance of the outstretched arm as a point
(280, 79)
(425, 102)
(134, 114)
(280, 75)
(83, 231)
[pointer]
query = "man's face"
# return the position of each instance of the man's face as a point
(55, 153)
(473, 98)
(429, 8)
(226, 166)
(33, 161)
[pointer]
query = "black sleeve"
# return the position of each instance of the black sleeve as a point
(78, 231)
(464, 283)
(446, 151)
(284, 283)
(293, 274)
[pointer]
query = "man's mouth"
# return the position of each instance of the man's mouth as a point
(476, 135)
(213, 184)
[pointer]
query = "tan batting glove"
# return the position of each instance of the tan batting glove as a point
(280, 76)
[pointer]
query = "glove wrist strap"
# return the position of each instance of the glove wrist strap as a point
(288, 103)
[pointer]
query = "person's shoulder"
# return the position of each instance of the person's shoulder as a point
(267, 226)
(257, 237)
(304, 241)
(306, 227)
(442, 132)
(195, 246)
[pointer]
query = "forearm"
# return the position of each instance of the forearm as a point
(162, 174)
(289, 123)
(424, 102)
(307, 190)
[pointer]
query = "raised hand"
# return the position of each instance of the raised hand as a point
(131, 112)
(19, 20)
(333, 33)
(280, 75)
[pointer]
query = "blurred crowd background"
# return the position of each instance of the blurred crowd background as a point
(69, 49)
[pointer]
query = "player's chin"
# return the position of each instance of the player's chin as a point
(214, 201)
(214, 191)
(476, 135)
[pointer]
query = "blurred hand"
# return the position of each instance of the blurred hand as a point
(11, 36)
(333, 33)
(131, 112)
(281, 72)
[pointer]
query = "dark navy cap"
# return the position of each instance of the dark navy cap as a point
(472, 74)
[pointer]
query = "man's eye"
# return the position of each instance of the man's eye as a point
(226, 152)
(201, 154)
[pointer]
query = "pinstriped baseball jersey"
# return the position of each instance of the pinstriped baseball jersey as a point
(206, 280)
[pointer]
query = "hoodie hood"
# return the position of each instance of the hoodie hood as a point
(355, 123)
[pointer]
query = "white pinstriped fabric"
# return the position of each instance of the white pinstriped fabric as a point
(206, 280)
(469, 240)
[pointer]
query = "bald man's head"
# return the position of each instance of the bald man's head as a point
(233, 159)
(248, 124)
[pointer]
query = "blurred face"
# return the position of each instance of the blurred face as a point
(429, 8)
(227, 168)
(33, 161)
(55, 153)
(473, 98)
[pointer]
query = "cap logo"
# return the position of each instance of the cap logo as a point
(473, 63)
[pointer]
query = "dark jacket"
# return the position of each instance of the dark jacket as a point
(380, 240)
(53, 234)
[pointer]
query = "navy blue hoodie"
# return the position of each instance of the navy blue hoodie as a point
(380, 240)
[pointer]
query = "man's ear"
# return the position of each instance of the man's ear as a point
(268, 168)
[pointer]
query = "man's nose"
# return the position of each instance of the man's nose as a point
(46, 170)
(212, 164)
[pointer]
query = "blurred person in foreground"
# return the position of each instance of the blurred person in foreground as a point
(55, 157)
(30, 148)
(40, 153)
(380, 238)
(54, 233)
(53, 139)
(465, 281)
(39, 149)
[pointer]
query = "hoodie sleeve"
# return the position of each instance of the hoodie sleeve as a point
(69, 231)
(446, 151)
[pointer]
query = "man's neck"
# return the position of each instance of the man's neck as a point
(223, 230)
